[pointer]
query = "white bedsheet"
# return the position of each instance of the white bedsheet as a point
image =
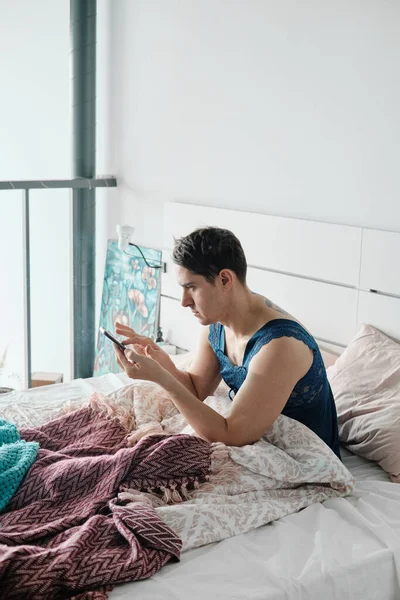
(343, 549)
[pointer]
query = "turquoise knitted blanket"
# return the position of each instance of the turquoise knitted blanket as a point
(16, 457)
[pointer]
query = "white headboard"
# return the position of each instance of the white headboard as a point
(331, 277)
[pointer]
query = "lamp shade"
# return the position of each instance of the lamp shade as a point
(125, 233)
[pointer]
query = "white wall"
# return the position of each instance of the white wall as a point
(286, 107)
(35, 143)
(280, 107)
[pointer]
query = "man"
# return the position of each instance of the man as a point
(270, 362)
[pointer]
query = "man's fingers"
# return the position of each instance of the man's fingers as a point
(127, 359)
(138, 349)
(132, 339)
(136, 340)
(151, 349)
(124, 329)
(131, 357)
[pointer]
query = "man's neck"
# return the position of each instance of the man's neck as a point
(247, 313)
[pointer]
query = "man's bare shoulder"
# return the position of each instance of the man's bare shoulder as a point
(283, 353)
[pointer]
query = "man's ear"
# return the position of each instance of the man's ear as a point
(226, 277)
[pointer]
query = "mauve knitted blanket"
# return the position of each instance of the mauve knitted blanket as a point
(64, 534)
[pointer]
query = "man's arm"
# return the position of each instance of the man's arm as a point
(203, 375)
(272, 375)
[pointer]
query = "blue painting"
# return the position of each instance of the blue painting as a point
(131, 293)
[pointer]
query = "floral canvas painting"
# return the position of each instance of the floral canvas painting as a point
(131, 292)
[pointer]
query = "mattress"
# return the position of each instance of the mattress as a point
(342, 549)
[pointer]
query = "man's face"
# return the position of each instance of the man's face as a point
(202, 297)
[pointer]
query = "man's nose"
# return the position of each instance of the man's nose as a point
(186, 300)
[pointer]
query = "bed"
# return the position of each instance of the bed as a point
(345, 547)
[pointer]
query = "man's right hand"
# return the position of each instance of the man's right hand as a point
(145, 346)
(139, 340)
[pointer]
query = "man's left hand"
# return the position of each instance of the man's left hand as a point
(138, 366)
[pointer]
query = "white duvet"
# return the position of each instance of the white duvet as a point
(287, 470)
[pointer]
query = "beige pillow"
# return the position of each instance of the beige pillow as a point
(365, 381)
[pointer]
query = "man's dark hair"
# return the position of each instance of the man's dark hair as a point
(208, 250)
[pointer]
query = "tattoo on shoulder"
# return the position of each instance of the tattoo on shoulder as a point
(276, 307)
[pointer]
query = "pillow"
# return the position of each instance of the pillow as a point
(365, 382)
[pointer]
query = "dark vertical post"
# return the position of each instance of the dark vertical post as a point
(83, 73)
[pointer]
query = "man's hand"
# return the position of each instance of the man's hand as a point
(130, 333)
(138, 366)
(144, 346)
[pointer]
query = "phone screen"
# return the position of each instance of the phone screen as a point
(112, 338)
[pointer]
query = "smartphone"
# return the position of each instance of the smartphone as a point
(113, 339)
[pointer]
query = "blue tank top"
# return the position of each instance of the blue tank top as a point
(311, 401)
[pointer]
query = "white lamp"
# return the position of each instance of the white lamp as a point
(125, 233)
